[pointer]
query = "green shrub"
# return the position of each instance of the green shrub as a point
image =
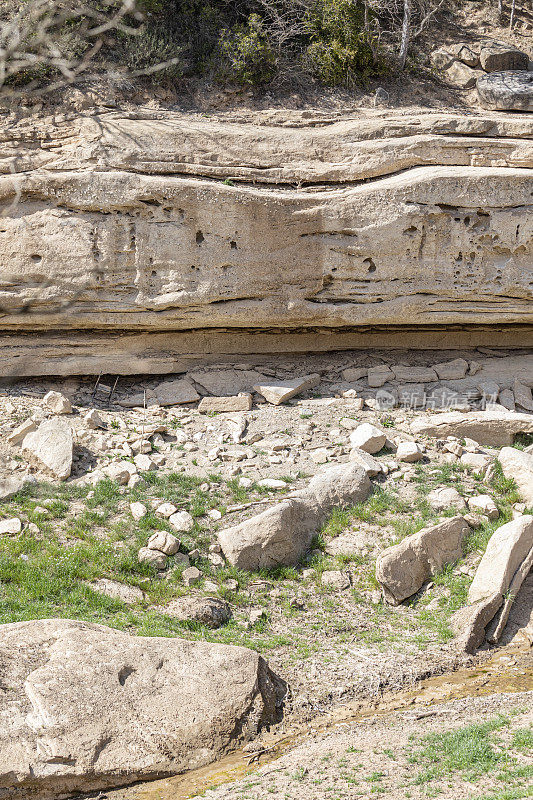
(340, 51)
(247, 56)
(152, 46)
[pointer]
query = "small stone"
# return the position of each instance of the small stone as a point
(182, 521)
(256, 614)
(120, 471)
(194, 554)
(214, 514)
(485, 504)
(245, 483)
(279, 392)
(408, 452)
(477, 461)
(377, 376)
(240, 402)
(175, 392)
(191, 576)
(138, 511)
(368, 438)
(57, 403)
(506, 399)
(474, 520)
(10, 526)
(93, 420)
(232, 585)
(209, 611)
(166, 510)
(353, 374)
(144, 462)
(320, 455)
(335, 579)
(118, 591)
(522, 396)
(135, 480)
(154, 557)
(272, 483)
(414, 374)
(16, 436)
(445, 497)
(164, 542)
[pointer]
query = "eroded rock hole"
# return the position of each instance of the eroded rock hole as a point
(124, 674)
(199, 237)
(36, 258)
(369, 264)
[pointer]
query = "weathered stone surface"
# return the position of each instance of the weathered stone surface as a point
(171, 393)
(10, 526)
(277, 392)
(444, 498)
(469, 623)
(10, 486)
(57, 403)
(368, 438)
(51, 445)
(90, 707)
(403, 568)
(370, 464)
(240, 402)
(485, 504)
(164, 542)
(16, 436)
(461, 75)
(408, 452)
(451, 370)
(281, 535)
(118, 591)
(507, 548)
(518, 465)
(335, 487)
(414, 374)
(210, 611)
(500, 56)
(149, 250)
(155, 558)
(515, 586)
(522, 396)
(492, 427)
(506, 91)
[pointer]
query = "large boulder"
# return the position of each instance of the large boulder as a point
(281, 535)
(337, 486)
(470, 622)
(508, 547)
(85, 707)
(506, 91)
(403, 568)
(51, 446)
(498, 56)
(493, 427)
(518, 465)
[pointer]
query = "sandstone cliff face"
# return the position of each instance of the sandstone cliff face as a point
(130, 225)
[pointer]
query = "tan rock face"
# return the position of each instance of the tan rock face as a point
(89, 707)
(443, 236)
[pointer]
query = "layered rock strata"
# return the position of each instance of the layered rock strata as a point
(176, 230)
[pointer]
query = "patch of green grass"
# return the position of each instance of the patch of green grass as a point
(523, 739)
(469, 751)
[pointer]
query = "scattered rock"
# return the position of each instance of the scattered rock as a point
(182, 521)
(477, 461)
(408, 452)
(522, 396)
(136, 694)
(500, 57)
(368, 438)
(507, 548)
(156, 558)
(451, 370)
(51, 445)
(16, 436)
(444, 498)
(353, 374)
(403, 568)
(506, 91)
(176, 392)
(164, 542)
(485, 504)
(469, 623)
(414, 374)
(226, 382)
(240, 402)
(370, 464)
(93, 420)
(138, 511)
(518, 465)
(143, 462)
(272, 483)
(165, 510)
(462, 76)
(335, 487)
(281, 535)
(378, 376)
(213, 612)
(9, 487)
(492, 427)
(120, 471)
(57, 403)
(191, 576)
(10, 526)
(277, 392)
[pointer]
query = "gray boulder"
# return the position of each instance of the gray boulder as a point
(506, 91)
(403, 568)
(336, 487)
(51, 446)
(499, 56)
(508, 547)
(90, 708)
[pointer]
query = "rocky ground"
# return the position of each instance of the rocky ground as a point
(173, 476)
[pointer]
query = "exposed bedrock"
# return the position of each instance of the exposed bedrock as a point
(126, 225)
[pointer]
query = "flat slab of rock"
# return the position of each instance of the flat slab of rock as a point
(10, 486)
(506, 91)
(507, 548)
(492, 427)
(118, 591)
(403, 568)
(89, 707)
(240, 402)
(500, 56)
(277, 392)
(518, 465)
(226, 382)
(172, 393)
(51, 445)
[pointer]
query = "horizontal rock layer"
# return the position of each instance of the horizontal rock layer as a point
(125, 225)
